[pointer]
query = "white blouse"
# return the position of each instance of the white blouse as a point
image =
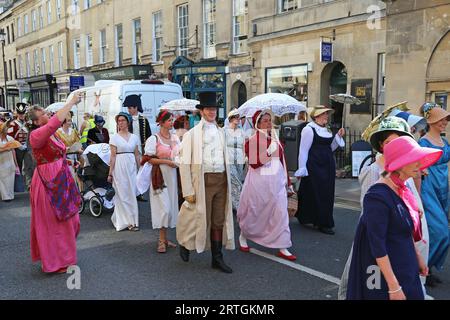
(306, 143)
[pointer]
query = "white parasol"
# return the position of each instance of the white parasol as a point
(180, 105)
(279, 103)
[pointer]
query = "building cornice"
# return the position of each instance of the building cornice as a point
(360, 18)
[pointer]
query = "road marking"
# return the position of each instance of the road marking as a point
(346, 206)
(297, 266)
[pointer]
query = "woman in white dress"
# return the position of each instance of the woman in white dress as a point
(8, 163)
(235, 142)
(122, 174)
(162, 149)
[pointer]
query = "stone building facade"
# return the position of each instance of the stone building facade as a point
(382, 51)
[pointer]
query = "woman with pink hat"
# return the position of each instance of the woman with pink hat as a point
(385, 263)
(434, 189)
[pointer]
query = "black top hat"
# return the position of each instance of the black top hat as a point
(21, 107)
(207, 99)
(133, 100)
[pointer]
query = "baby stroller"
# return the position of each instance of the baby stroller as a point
(97, 193)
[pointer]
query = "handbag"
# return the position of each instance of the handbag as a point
(18, 183)
(292, 205)
(62, 193)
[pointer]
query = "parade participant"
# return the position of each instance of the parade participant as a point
(162, 149)
(207, 212)
(434, 189)
(98, 134)
(54, 198)
(122, 174)
(69, 137)
(18, 130)
(262, 213)
(317, 170)
(87, 125)
(8, 163)
(181, 126)
(194, 118)
(138, 126)
(389, 226)
(235, 142)
(380, 133)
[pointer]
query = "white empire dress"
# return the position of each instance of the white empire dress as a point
(7, 172)
(126, 210)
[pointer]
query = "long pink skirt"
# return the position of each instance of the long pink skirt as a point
(52, 242)
(262, 213)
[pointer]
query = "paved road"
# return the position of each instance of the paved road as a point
(125, 265)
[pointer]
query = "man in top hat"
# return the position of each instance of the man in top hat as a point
(205, 219)
(98, 134)
(139, 125)
(18, 130)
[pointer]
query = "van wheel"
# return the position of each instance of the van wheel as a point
(96, 206)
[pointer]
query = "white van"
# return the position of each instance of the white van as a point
(107, 96)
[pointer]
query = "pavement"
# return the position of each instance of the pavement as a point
(348, 191)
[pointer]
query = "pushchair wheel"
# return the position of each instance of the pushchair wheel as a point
(96, 206)
(82, 205)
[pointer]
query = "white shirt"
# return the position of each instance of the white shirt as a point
(136, 130)
(213, 149)
(306, 143)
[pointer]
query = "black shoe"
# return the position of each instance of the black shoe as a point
(430, 282)
(326, 230)
(217, 257)
(184, 254)
(141, 198)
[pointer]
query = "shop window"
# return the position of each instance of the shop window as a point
(291, 80)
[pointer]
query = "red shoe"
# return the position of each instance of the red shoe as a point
(290, 258)
(244, 249)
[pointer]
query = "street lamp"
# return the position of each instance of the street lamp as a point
(5, 74)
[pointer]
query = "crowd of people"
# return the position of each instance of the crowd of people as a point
(201, 177)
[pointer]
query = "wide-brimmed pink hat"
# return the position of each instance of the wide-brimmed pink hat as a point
(405, 150)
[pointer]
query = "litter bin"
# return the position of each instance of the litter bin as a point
(290, 134)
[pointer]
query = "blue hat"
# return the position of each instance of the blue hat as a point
(134, 101)
(99, 120)
(124, 114)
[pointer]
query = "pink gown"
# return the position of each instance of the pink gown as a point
(262, 213)
(52, 242)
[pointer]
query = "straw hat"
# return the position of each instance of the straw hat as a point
(318, 110)
(233, 113)
(405, 150)
(389, 124)
(373, 125)
(434, 113)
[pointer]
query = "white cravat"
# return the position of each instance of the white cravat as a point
(213, 157)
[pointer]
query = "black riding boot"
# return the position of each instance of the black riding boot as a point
(184, 253)
(216, 250)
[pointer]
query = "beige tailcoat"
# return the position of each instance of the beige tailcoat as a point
(192, 230)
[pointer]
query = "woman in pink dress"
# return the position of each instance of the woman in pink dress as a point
(53, 195)
(262, 213)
